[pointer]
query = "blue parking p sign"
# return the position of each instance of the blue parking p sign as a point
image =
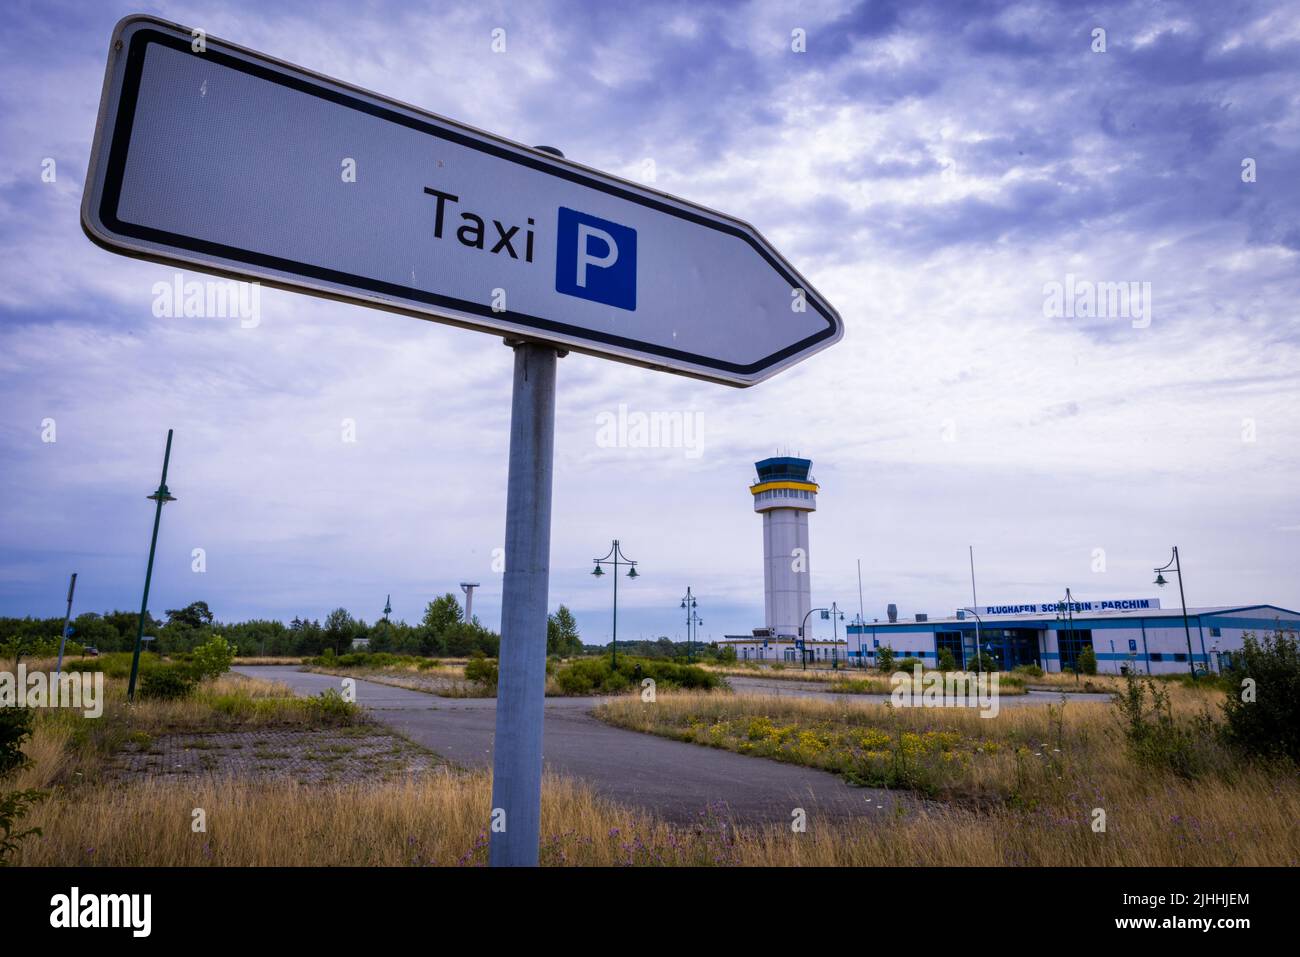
(595, 259)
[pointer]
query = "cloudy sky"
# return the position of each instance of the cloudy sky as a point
(937, 173)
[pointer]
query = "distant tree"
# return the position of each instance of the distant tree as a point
(562, 633)
(1087, 663)
(340, 629)
(947, 661)
(194, 615)
(440, 615)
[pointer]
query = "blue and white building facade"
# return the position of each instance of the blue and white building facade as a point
(1127, 635)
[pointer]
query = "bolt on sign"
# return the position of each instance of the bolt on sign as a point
(213, 156)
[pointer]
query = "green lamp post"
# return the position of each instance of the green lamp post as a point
(161, 496)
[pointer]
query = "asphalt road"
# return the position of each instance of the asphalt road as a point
(672, 779)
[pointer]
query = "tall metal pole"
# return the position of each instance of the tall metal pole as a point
(613, 661)
(1191, 660)
(862, 614)
(517, 751)
(63, 639)
(160, 497)
(973, 600)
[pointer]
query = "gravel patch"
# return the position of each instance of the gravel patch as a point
(326, 756)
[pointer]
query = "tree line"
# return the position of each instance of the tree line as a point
(441, 631)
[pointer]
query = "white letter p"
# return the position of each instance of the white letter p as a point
(585, 259)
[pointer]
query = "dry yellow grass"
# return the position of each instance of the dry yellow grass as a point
(441, 820)
(1152, 818)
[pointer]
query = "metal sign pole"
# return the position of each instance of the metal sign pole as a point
(63, 639)
(515, 828)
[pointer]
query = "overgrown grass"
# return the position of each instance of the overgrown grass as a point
(441, 820)
(1028, 757)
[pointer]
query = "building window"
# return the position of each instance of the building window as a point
(1071, 644)
(1157, 656)
(1180, 656)
(1215, 633)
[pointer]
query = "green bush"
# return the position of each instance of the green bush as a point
(947, 661)
(14, 805)
(885, 659)
(1154, 736)
(1087, 663)
(1263, 717)
(906, 664)
(482, 669)
(981, 662)
(598, 675)
(168, 683)
(212, 658)
(15, 728)
(330, 707)
(1033, 671)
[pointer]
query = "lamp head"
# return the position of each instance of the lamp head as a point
(598, 570)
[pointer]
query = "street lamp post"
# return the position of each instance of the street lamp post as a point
(1065, 612)
(836, 616)
(162, 497)
(978, 622)
(692, 619)
(617, 559)
(1187, 629)
(803, 640)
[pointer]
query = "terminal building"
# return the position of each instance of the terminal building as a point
(1127, 635)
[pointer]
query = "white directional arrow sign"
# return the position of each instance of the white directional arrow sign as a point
(214, 156)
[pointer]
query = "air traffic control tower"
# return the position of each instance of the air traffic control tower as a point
(784, 495)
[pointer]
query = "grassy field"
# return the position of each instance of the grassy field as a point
(1023, 787)
(439, 820)
(1019, 789)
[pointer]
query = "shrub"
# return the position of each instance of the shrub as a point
(1033, 671)
(885, 659)
(212, 658)
(14, 805)
(168, 683)
(1154, 736)
(1264, 717)
(981, 662)
(1087, 663)
(907, 664)
(587, 675)
(15, 728)
(482, 669)
(947, 661)
(330, 707)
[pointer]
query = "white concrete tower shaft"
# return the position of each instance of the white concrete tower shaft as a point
(785, 494)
